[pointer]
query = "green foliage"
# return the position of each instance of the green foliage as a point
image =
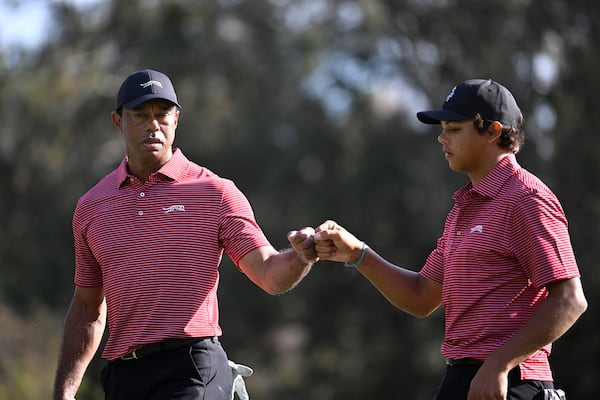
(28, 348)
(309, 107)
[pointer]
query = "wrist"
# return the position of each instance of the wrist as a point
(360, 258)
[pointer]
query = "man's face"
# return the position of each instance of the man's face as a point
(464, 147)
(148, 130)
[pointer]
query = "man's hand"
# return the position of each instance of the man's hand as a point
(303, 243)
(488, 383)
(333, 242)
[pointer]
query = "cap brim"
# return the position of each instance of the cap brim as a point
(142, 99)
(434, 117)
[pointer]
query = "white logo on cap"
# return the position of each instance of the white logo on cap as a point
(451, 94)
(150, 83)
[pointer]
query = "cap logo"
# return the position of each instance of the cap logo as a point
(451, 94)
(150, 83)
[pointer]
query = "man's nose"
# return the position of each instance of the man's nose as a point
(153, 124)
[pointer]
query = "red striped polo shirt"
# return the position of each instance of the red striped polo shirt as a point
(155, 248)
(504, 240)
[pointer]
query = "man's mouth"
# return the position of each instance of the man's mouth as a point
(152, 141)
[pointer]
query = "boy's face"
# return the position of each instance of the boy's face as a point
(464, 147)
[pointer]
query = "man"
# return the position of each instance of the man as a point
(503, 269)
(149, 238)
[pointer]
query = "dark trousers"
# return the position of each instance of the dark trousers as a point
(455, 384)
(197, 371)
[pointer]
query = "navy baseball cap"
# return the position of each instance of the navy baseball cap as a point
(485, 97)
(145, 85)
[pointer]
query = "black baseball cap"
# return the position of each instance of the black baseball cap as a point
(145, 85)
(485, 97)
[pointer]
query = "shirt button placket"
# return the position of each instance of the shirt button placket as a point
(141, 212)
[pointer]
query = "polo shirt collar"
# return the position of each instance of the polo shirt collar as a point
(174, 169)
(493, 182)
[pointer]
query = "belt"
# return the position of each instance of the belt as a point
(158, 347)
(460, 362)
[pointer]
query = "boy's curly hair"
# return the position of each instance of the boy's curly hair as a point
(512, 138)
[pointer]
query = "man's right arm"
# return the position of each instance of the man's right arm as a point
(407, 290)
(83, 330)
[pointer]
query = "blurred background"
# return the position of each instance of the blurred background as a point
(309, 106)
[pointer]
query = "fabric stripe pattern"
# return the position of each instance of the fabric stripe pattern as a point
(504, 241)
(155, 248)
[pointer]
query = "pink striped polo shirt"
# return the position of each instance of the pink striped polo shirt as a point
(504, 240)
(155, 248)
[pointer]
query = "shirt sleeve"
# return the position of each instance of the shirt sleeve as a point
(87, 269)
(434, 265)
(540, 239)
(239, 232)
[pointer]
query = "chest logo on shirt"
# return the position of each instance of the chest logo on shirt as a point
(477, 228)
(173, 208)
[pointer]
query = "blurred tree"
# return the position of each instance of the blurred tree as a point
(308, 105)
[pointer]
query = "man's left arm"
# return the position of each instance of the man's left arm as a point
(559, 311)
(277, 272)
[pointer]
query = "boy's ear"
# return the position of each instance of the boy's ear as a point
(495, 130)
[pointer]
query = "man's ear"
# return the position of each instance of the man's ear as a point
(177, 117)
(495, 130)
(116, 119)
